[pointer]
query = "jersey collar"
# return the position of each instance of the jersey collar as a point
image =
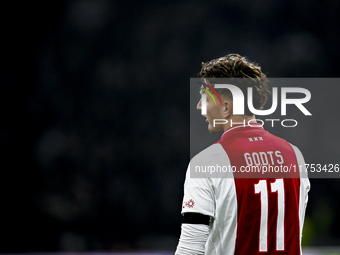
(241, 126)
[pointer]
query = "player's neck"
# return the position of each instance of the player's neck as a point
(238, 119)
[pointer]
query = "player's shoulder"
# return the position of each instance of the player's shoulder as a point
(209, 154)
(272, 139)
(297, 151)
(281, 142)
(212, 157)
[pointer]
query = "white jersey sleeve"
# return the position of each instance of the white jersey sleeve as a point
(199, 193)
(304, 187)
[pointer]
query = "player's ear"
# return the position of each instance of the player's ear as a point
(228, 109)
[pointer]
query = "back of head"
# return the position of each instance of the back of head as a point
(242, 73)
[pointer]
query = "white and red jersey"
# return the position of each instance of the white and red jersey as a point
(255, 215)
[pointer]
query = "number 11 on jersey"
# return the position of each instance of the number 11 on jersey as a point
(261, 188)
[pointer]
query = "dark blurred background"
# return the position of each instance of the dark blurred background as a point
(95, 112)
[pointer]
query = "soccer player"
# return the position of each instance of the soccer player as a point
(242, 213)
